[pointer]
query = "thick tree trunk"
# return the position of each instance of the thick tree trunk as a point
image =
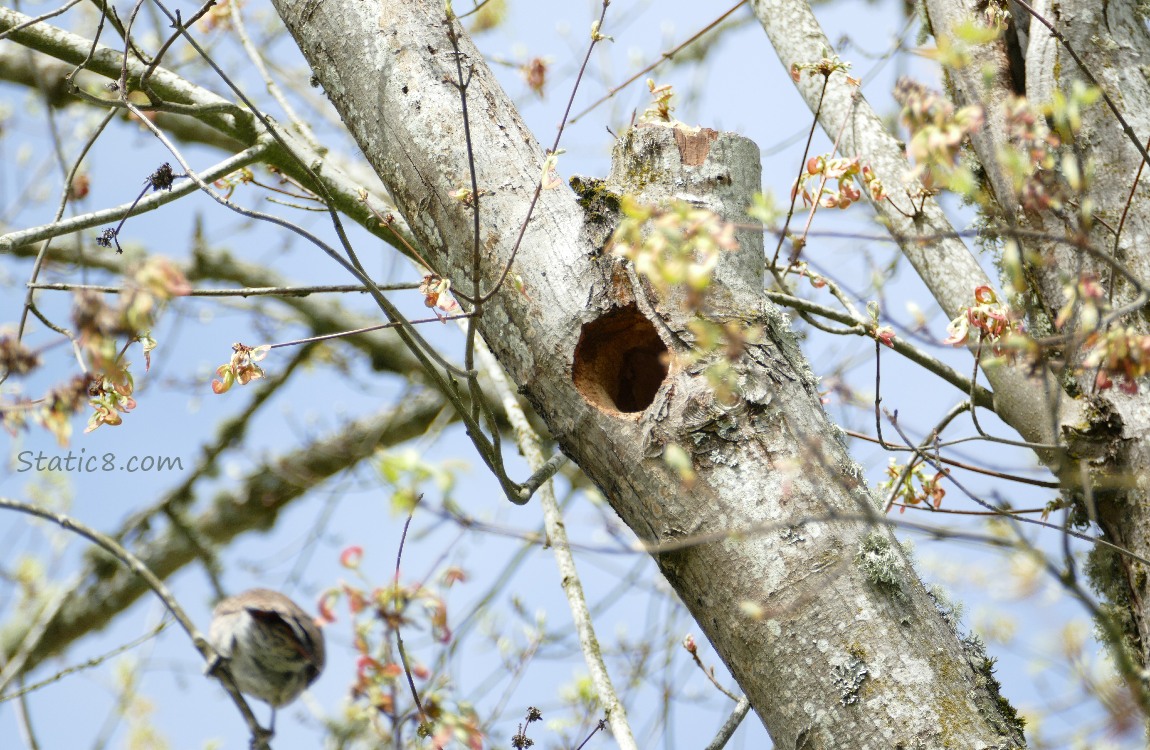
(847, 650)
(1106, 468)
(916, 221)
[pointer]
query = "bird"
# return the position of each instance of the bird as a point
(273, 649)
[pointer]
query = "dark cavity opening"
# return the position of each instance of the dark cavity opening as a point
(620, 361)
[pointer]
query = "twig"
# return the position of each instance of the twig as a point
(982, 396)
(69, 178)
(802, 167)
(1129, 131)
(563, 122)
(299, 123)
(564, 559)
(398, 636)
(153, 201)
(134, 564)
(693, 650)
(32, 637)
(367, 329)
(962, 464)
(541, 475)
(38, 19)
(931, 438)
(1004, 512)
(663, 57)
(598, 728)
(93, 662)
(262, 291)
(730, 725)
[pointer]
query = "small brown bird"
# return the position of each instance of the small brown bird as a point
(274, 649)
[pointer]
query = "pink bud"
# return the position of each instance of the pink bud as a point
(351, 556)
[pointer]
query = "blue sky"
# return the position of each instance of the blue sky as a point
(742, 88)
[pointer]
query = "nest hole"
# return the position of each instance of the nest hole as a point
(620, 361)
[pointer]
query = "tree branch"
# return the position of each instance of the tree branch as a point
(564, 559)
(255, 504)
(944, 264)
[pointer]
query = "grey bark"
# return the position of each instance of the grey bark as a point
(849, 650)
(926, 237)
(1106, 465)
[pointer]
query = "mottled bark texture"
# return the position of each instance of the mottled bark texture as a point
(932, 246)
(1105, 469)
(849, 650)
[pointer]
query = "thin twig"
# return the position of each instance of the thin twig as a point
(149, 203)
(32, 637)
(253, 53)
(730, 725)
(563, 122)
(134, 564)
(1004, 511)
(367, 329)
(38, 19)
(1129, 131)
(663, 57)
(89, 664)
(982, 396)
(932, 437)
(565, 561)
(963, 465)
(398, 604)
(261, 291)
(67, 190)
